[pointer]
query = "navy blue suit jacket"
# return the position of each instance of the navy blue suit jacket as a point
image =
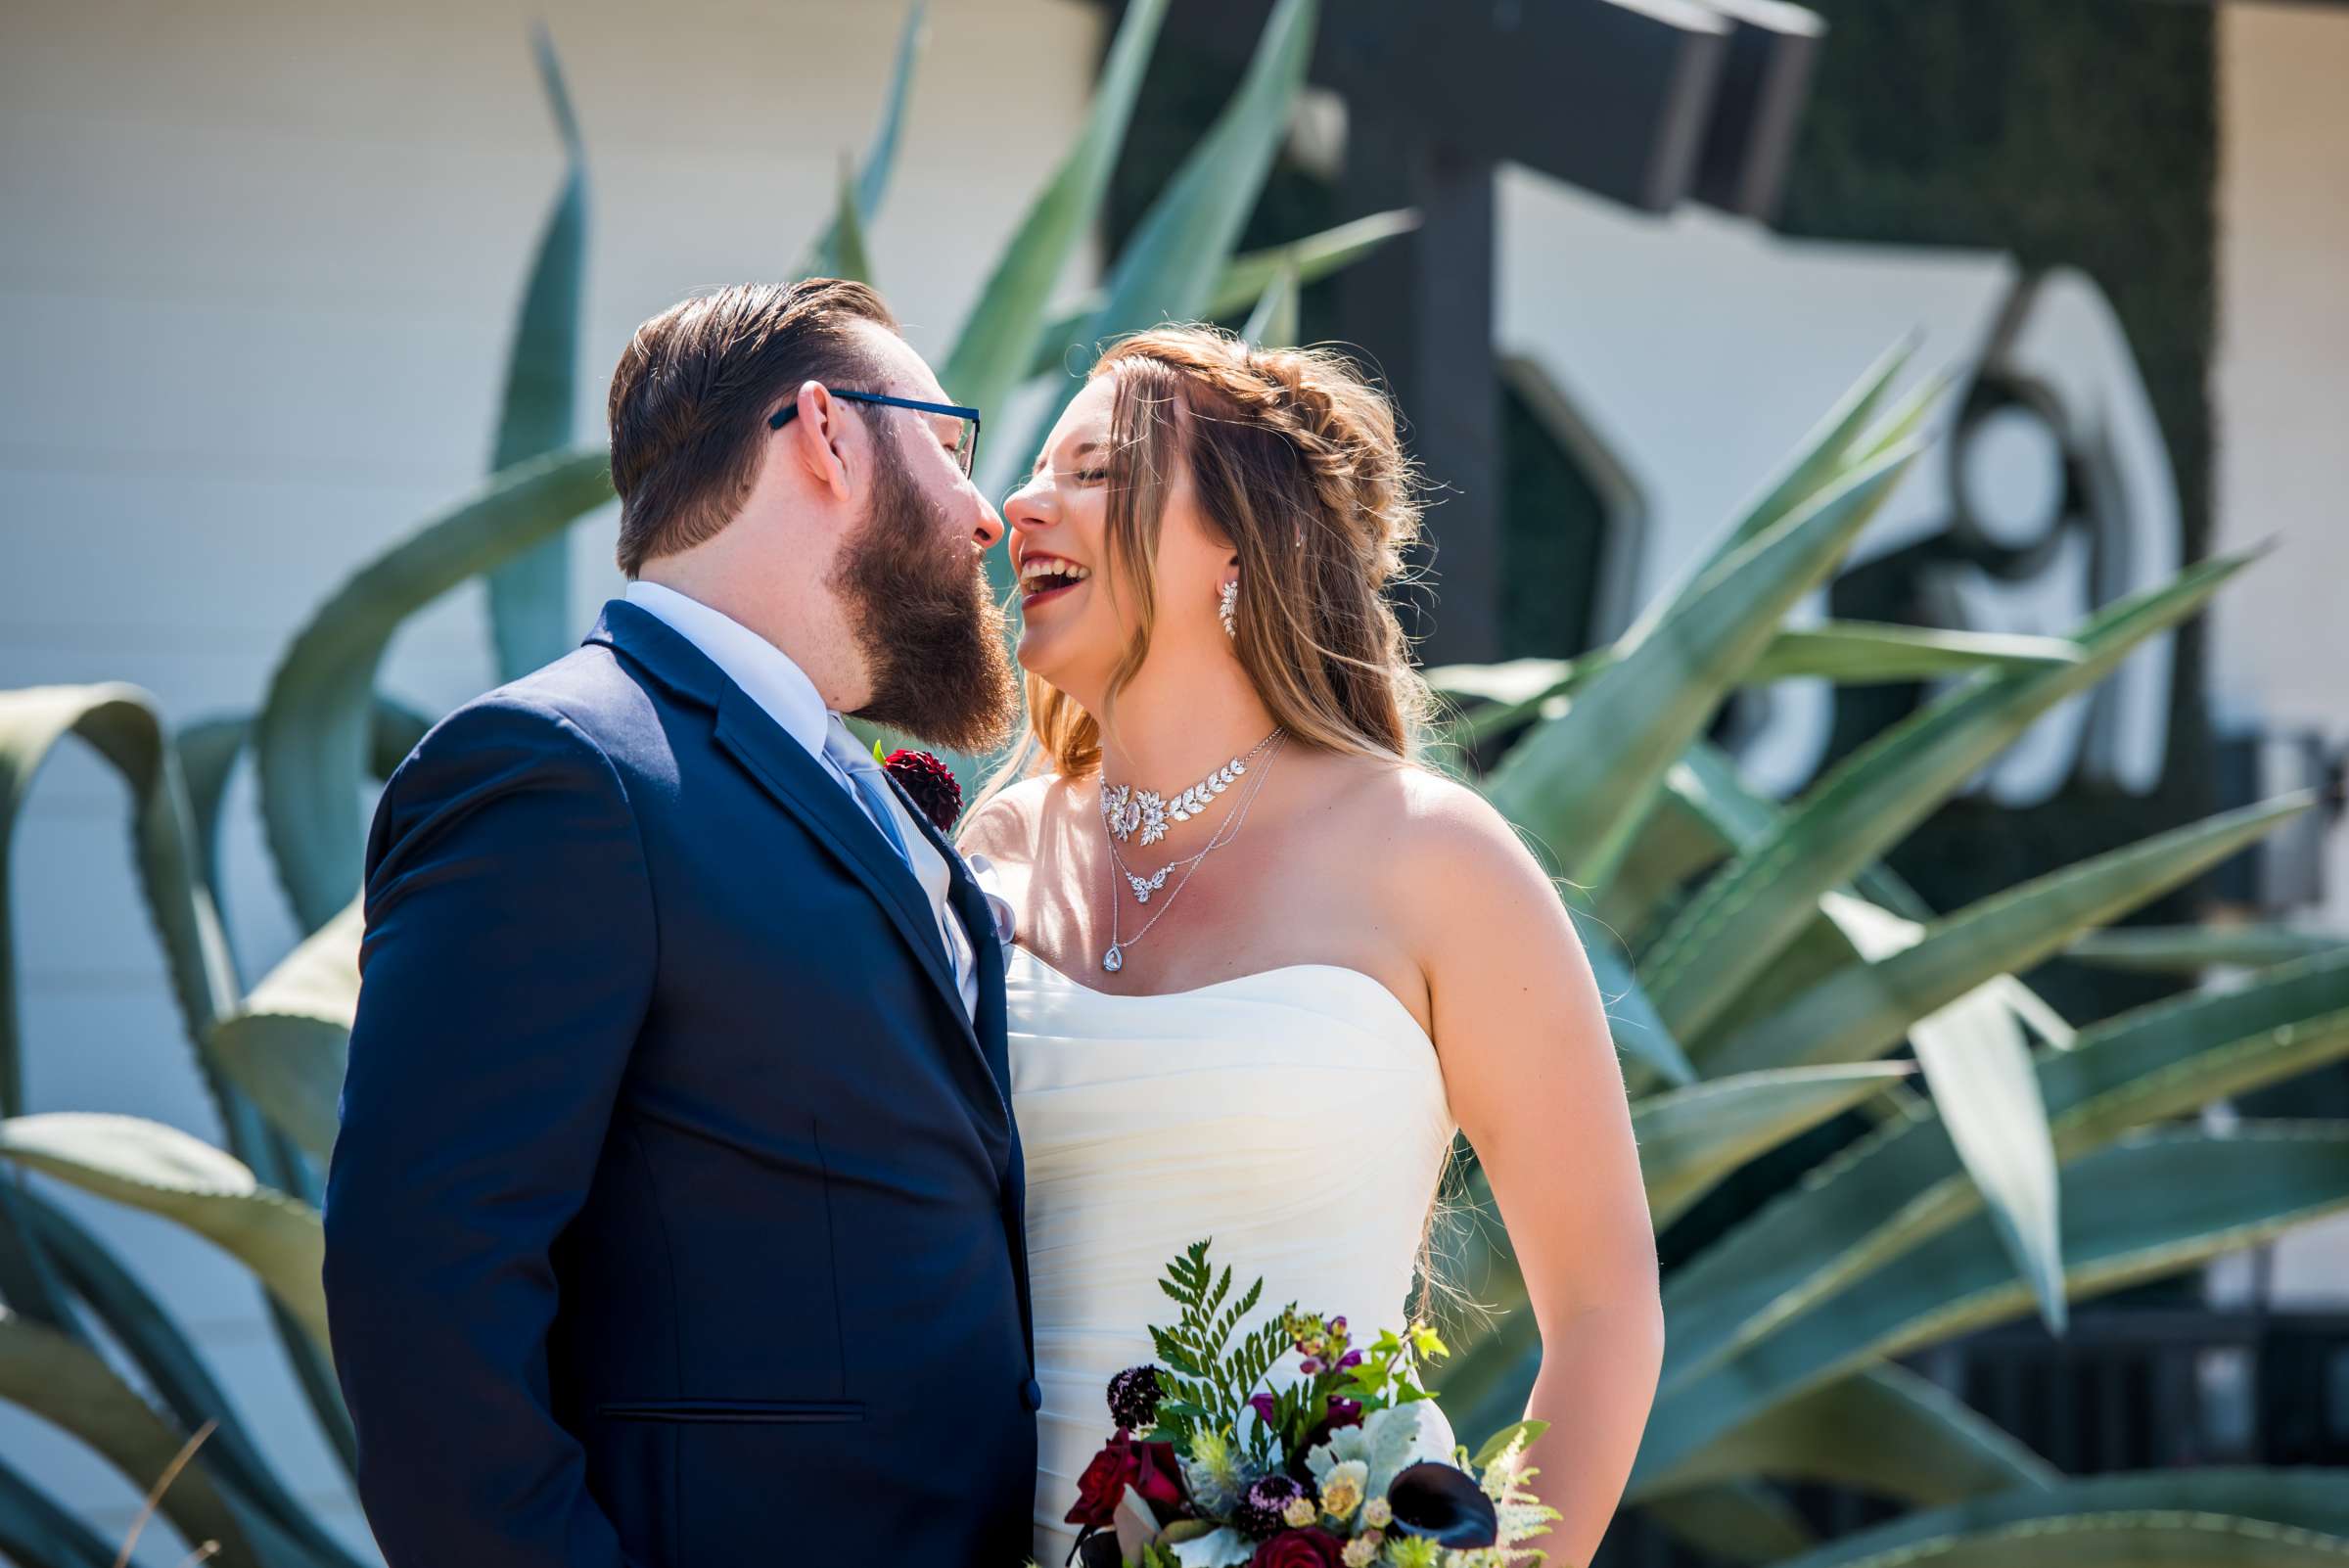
(675, 1218)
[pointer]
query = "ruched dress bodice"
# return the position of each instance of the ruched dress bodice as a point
(1297, 1117)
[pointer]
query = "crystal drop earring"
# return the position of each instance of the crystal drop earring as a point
(1227, 606)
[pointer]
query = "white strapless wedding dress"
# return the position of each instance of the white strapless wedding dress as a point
(1297, 1117)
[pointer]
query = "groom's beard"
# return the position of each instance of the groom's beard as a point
(931, 632)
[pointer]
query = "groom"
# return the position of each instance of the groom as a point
(676, 1217)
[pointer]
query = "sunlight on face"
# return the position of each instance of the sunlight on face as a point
(1078, 619)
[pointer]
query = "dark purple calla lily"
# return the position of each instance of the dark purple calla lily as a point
(1442, 1504)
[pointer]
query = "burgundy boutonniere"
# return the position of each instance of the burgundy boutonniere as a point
(931, 783)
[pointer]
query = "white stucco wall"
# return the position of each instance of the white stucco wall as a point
(256, 277)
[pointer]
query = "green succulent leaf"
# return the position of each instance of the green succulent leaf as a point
(1735, 927)
(145, 1165)
(171, 1366)
(1978, 1065)
(996, 349)
(1902, 1183)
(1882, 1430)
(1691, 1137)
(824, 257)
(1736, 1521)
(1169, 267)
(1850, 433)
(2136, 1540)
(288, 1047)
(122, 724)
(2308, 1500)
(1862, 1011)
(311, 739)
(1272, 324)
(2220, 1193)
(1244, 279)
(530, 596)
(1582, 783)
(1860, 653)
(35, 1529)
(2191, 950)
(71, 1385)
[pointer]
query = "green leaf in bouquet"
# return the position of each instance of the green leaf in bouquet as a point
(1529, 1430)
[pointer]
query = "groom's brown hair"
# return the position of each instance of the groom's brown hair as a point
(693, 390)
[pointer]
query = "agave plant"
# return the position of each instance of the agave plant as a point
(1762, 965)
(272, 1055)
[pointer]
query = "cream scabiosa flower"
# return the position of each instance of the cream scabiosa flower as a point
(1343, 1487)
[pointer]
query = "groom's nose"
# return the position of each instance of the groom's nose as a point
(989, 529)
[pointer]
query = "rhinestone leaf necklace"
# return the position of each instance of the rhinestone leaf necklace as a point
(1128, 810)
(1114, 959)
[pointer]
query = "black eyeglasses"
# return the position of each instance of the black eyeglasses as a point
(966, 446)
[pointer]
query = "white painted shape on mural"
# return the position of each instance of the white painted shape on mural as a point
(1709, 348)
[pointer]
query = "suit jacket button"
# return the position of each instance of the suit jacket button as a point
(1032, 1394)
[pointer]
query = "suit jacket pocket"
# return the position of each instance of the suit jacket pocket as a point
(750, 1411)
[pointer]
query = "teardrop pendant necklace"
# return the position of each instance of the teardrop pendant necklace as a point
(1114, 959)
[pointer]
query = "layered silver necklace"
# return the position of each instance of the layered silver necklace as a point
(1114, 959)
(1127, 811)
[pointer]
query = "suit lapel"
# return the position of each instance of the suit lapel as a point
(800, 785)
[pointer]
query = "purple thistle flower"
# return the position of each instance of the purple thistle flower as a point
(1262, 1506)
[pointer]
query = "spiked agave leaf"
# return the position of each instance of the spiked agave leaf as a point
(288, 1047)
(71, 1385)
(2302, 1499)
(120, 723)
(993, 352)
(825, 253)
(2220, 1193)
(1170, 265)
(1883, 1430)
(1862, 1011)
(530, 596)
(1244, 279)
(1691, 1137)
(1904, 1182)
(1581, 781)
(1731, 931)
(311, 739)
(163, 1171)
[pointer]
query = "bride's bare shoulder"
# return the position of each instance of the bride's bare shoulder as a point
(1007, 824)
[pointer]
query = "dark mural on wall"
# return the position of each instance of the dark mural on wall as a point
(2069, 134)
(2077, 136)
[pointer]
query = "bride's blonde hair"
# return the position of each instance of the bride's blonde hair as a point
(1293, 460)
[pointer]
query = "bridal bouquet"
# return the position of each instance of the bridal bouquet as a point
(1350, 1464)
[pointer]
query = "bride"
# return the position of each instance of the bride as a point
(1267, 964)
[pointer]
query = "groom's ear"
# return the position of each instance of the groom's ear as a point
(815, 436)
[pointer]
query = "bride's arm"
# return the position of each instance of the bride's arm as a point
(1532, 1076)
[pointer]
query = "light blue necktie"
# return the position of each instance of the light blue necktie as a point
(870, 782)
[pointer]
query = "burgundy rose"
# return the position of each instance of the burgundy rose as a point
(1300, 1548)
(1147, 1467)
(932, 785)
